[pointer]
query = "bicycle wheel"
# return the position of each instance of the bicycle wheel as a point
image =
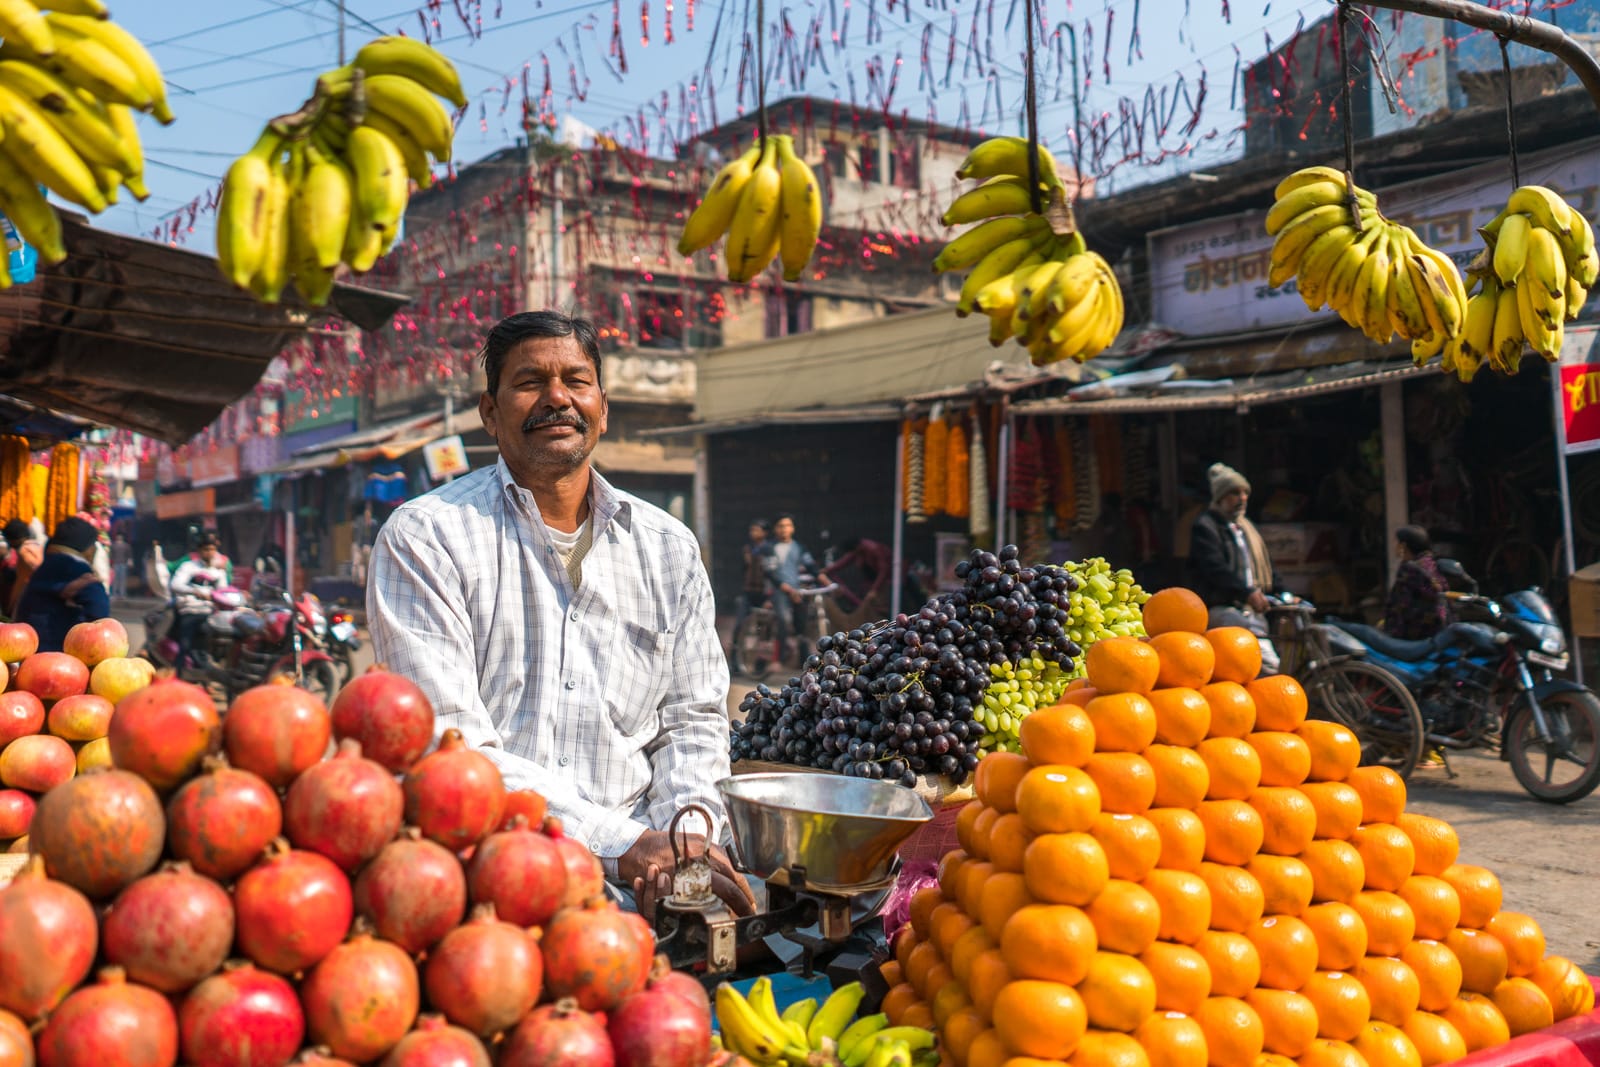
(755, 650)
(1376, 706)
(1573, 746)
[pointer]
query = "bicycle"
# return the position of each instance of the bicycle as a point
(1342, 687)
(756, 647)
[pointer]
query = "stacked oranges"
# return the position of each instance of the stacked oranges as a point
(1181, 870)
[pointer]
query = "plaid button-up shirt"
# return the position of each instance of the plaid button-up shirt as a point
(609, 700)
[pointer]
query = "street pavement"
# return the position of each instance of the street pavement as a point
(1547, 856)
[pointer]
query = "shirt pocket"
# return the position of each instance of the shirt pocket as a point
(644, 671)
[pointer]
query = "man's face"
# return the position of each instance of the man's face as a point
(549, 411)
(784, 529)
(1233, 502)
(208, 554)
(758, 534)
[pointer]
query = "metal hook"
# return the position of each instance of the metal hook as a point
(674, 837)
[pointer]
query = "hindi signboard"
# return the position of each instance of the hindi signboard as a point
(1580, 389)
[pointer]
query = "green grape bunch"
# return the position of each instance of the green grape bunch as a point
(1015, 689)
(1107, 603)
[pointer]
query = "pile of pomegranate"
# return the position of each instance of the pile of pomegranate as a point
(56, 712)
(332, 893)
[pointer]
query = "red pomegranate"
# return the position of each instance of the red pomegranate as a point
(485, 974)
(660, 1026)
(241, 1018)
(53, 675)
(276, 730)
(454, 795)
(99, 831)
(521, 873)
(346, 808)
(21, 714)
(526, 803)
(16, 1044)
(559, 1035)
(113, 1022)
(16, 812)
(169, 929)
(163, 731)
(585, 876)
(413, 892)
(362, 998)
(662, 976)
(320, 1056)
(222, 820)
(596, 954)
(291, 909)
(48, 940)
(435, 1043)
(388, 714)
(37, 762)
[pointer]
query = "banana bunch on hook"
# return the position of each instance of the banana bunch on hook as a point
(768, 204)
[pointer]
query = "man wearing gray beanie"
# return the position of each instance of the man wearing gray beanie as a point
(1228, 561)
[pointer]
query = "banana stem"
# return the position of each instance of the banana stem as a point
(1058, 213)
(349, 95)
(1357, 219)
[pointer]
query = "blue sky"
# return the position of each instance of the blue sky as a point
(235, 63)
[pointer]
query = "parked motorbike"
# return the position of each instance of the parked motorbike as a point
(343, 642)
(248, 640)
(1490, 679)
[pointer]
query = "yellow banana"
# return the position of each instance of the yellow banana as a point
(92, 8)
(1545, 207)
(412, 108)
(859, 1031)
(1293, 240)
(1511, 248)
(29, 211)
(23, 22)
(46, 156)
(754, 233)
(800, 207)
(1580, 248)
(1587, 269)
(122, 121)
(1007, 156)
(90, 135)
(1003, 260)
(1034, 285)
(320, 207)
(1071, 330)
(1505, 348)
(1543, 336)
(1316, 264)
(381, 183)
(1405, 304)
(999, 297)
(273, 274)
(1477, 329)
(363, 242)
(801, 1012)
(743, 1030)
(1446, 268)
(1342, 279)
(835, 1014)
(418, 169)
(1301, 200)
(1424, 349)
(1077, 277)
(760, 999)
(1000, 196)
(1108, 320)
(127, 50)
(1434, 295)
(1577, 296)
(1545, 265)
(243, 214)
(968, 248)
(1307, 176)
(1375, 309)
(410, 58)
(710, 219)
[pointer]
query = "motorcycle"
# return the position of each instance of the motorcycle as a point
(247, 640)
(343, 642)
(1489, 679)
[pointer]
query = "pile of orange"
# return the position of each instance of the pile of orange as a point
(1182, 870)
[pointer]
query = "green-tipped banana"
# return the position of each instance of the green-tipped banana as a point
(381, 183)
(996, 264)
(860, 1030)
(410, 58)
(711, 218)
(273, 274)
(801, 1012)
(127, 49)
(835, 1014)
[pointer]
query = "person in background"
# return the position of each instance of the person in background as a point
(269, 565)
(785, 561)
(1416, 607)
(754, 591)
(121, 563)
(1228, 563)
(202, 571)
(23, 557)
(64, 590)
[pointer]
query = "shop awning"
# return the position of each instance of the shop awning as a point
(642, 457)
(1184, 394)
(806, 417)
(148, 337)
(389, 440)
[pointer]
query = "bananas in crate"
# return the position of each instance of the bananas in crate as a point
(769, 205)
(70, 80)
(808, 1035)
(1534, 275)
(329, 184)
(1377, 274)
(1030, 273)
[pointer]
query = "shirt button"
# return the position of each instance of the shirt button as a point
(573, 616)
(565, 760)
(594, 847)
(572, 683)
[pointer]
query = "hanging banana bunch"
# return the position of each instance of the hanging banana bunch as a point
(329, 184)
(769, 205)
(1378, 275)
(70, 80)
(1533, 276)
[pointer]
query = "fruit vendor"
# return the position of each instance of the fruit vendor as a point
(1228, 560)
(566, 628)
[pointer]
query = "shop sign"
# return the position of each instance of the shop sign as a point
(258, 454)
(446, 458)
(1210, 278)
(168, 471)
(1580, 389)
(214, 466)
(187, 503)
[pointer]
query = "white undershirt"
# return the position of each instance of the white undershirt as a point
(572, 547)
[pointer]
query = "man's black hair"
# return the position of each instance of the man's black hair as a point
(763, 523)
(514, 329)
(781, 516)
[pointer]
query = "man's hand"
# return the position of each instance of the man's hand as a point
(1258, 602)
(794, 594)
(648, 868)
(77, 585)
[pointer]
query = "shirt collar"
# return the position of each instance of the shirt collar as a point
(605, 503)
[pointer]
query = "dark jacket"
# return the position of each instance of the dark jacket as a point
(1216, 563)
(1417, 607)
(43, 608)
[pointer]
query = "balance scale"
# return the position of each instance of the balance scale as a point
(825, 845)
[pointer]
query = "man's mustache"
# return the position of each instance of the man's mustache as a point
(556, 418)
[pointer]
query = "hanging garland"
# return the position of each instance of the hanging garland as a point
(16, 482)
(981, 522)
(61, 494)
(914, 473)
(935, 452)
(958, 467)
